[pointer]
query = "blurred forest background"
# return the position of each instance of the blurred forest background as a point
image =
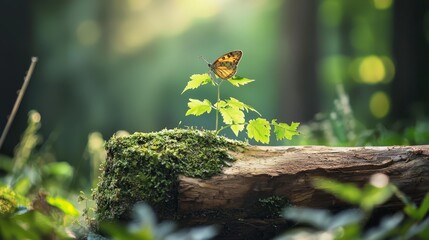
(116, 65)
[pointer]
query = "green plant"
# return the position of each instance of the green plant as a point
(412, 223)
(45, 217)
(30, 207)
(33, 167)
(232, 111)
(340, 127)
(145, 226)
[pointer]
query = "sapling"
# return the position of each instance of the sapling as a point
(232, 110)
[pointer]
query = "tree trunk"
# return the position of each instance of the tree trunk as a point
(411, 54)
(297, 63)
(232, 197)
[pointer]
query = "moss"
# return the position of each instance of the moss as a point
(8, 203)
(271, 207)
(146, 166)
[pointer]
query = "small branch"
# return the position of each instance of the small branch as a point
(18, 100)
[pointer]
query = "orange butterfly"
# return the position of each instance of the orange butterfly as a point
(225, 66)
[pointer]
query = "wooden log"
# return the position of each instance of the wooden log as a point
(261, 172)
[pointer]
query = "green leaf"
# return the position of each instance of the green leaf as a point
(418, 230)
(232, 115)
(196, 81)
(345, 191)
(237, 128)
(367, 198)
(259, 129)
(221, 104)
(22, 185)
(58, 169)
(374, 196)
(120, 232)
(239, 81)
(197, 107)
(64, 205)
(386, 227)
(236, 103)
(284, 130)
(322, 218)
(418, 213)
(424, 207)
(319, 218)
(412, 211)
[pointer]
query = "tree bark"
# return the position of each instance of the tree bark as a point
(261, 172)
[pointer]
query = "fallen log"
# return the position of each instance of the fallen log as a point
(196, 177)
(261, 172)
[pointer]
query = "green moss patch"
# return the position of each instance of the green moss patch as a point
(271, 207)
(145, 167)
(8, 203)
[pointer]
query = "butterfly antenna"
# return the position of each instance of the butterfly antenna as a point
(210, 73)
(204, 60)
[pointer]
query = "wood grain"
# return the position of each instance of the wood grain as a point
(260, 172)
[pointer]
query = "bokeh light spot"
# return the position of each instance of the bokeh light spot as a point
(382, 4)
(87, 32)
(95, 140)
(132, 34)
(390, 68)
(379, 104)
(372, 70)
(379, 180)
(202, 9)
(35, 116)
(144, 21)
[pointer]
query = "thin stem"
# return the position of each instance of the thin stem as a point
(217, 108)
(228, 126)
(18, 100)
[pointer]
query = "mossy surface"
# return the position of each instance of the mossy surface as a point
(146, 166)
(8, 202)
(271, 207)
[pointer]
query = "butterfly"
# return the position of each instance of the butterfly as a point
(226, 65)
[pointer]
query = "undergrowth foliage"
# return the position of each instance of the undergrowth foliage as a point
(411, 223)
(234, 112)
(30, 184)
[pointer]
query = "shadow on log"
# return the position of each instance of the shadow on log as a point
(231, 199)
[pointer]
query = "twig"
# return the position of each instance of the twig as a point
(18, 100)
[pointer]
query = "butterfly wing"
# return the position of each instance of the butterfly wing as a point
(226, 65)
